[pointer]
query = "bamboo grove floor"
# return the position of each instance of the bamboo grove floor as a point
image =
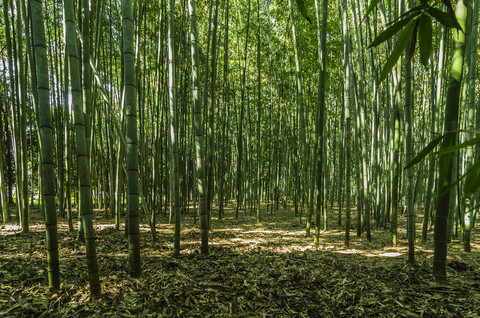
(267, 270)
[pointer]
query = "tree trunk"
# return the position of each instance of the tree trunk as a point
(46, 140)
(82, 154)
(472, 32)
(346, 93)
(446, 160)
(173, 126)
(198, 127)
(319, 158)
(131, 150)
(303, 138)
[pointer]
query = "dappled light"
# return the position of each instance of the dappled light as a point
(390, 254)
(279, 269)
(252, 158)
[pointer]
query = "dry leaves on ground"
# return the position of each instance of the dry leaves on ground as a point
(265, 270)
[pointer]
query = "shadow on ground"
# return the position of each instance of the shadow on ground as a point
(269, 269)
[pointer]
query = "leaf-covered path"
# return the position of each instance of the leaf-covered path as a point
(265, 270)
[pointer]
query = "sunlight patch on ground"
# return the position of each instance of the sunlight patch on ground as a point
(327, 247)
(245, 241)
(8, 229)
(144, 227)
(163, 229)
(104, 226)
(297, 248)
(370, 253)
(275, 232)
(390, 254)
(332, 233)
(259, 231)
(350, 251)
(299, 233)
(37, 226)
(474, 246)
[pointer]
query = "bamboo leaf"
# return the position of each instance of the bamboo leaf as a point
(371, 6)
(425, 38)
(442, 17)
(451, 12)
(388, 33)
(400, 46)
(413, 41)
(463, 145)
(410, 14)
(425, 152)
(473, 172)
(396, 26)
(472, 181)
(303, 10)
(453, 185)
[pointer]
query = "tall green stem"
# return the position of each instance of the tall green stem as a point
(198, 127)
(173, 126)
(446, 160)
(46, 140)
(131, 150)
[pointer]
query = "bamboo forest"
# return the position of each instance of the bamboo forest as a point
(239, 158)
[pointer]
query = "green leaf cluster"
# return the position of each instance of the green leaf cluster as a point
(472, 176)
(413, 24)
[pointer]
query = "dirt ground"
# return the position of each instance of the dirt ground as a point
(269, 269)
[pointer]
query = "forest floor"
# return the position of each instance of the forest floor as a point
(269, 269)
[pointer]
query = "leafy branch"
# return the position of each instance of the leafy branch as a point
(414, 24)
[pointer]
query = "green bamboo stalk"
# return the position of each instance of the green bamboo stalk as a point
(471, 116)
(320, 119)
(46, 140)
(198, 125)
(81, 150)
(347, 107)
(446, 160)
(173, 126)
(302, 112)
(131, 150)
